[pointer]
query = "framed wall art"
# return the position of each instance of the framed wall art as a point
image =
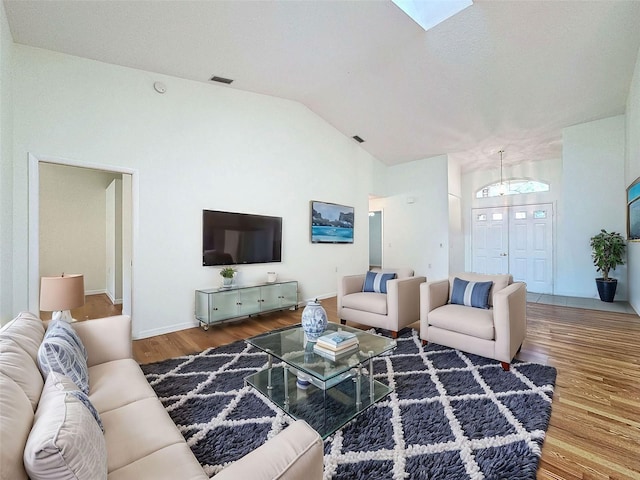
(331, 223)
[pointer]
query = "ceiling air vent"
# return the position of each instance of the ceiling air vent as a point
(358, 139)
(226, 81)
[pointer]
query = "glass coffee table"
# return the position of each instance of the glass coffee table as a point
(325, 393)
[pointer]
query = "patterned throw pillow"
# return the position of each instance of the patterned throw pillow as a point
(65, 441)
(471, 294)
(62, 351)
(377, 282)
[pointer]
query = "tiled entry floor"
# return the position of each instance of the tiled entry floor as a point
(579, 302)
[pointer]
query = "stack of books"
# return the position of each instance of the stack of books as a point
(335, 345)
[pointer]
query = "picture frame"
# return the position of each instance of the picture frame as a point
(331, 223)
(633, 211)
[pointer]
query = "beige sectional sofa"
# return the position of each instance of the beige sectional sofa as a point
(141, 439)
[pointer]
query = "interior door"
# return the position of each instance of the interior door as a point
(490, 237)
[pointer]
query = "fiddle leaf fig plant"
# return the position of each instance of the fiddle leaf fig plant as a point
(608, 249)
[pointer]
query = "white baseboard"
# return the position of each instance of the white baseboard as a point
(115, 301)
(303, 303)
(162, 330)
(94, 292)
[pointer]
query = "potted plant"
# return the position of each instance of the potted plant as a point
(608, 249)
(227, 274)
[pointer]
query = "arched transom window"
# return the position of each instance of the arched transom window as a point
(514, 186)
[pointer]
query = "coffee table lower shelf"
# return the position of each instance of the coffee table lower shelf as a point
(325, 410)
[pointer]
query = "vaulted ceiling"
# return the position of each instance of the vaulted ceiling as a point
(498, 75)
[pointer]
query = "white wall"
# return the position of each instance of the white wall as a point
(197, 146)
(456, 225)
(594, 196)
(73, 223)
(632, 171)
(549, 171)
(416, 217)
(6, 171)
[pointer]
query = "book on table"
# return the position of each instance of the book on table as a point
(335, 354)
(341, 346)
(338, 340)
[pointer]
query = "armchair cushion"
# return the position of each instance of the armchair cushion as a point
(475, 322)
(367, 302)
(471, 294)
(377, 282)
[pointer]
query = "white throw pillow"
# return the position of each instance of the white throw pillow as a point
(65, 441)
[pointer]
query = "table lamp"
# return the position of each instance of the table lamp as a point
(60, 294)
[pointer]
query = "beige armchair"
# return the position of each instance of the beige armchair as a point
(496, 333)
(393, 311)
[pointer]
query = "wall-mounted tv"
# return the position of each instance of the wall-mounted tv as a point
(331, 223)
(238, 238)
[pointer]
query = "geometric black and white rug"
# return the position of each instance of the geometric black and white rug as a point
(452, 415)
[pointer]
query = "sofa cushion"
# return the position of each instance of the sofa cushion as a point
(136, 430)
(65, 441)
(470, 294)
(19, 342)
(17, 364)
(169, 463)
(377, 282)
(16, 418)
(475, 322)
(107, 379)
(62, 351)
(26, 331)
(366, 302)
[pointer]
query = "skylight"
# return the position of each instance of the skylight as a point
(429, 13)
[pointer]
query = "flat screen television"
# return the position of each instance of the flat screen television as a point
(331, 223)
(238, 238)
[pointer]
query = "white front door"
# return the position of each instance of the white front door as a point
(516, 240)
(490, 240)
(531, 246)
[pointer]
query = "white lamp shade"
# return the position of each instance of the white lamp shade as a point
(61, 293)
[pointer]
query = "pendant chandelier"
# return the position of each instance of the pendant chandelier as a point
(502, 188)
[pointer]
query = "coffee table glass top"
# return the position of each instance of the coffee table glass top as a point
(325, 393)
(290, 345)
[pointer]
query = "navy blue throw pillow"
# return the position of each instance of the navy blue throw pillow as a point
(471, 294)
(377, 282)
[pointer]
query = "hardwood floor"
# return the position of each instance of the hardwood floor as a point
(594, 431)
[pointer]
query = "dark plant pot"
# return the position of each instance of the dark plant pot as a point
(607, 290)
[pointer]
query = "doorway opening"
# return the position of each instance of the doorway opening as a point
(81, 221)
(375, 238)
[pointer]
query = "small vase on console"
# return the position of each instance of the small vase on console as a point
(314, 320)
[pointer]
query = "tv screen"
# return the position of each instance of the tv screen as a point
(238, 238)
(331, 223)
